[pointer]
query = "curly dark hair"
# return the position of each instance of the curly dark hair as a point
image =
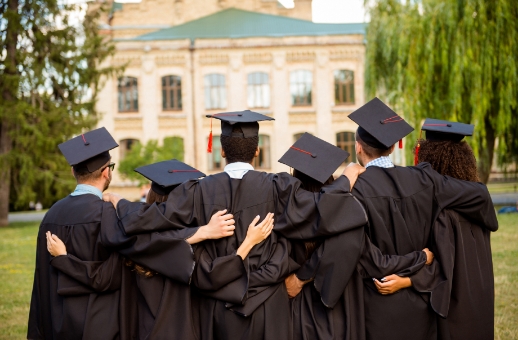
(239, 149)
(454, 159)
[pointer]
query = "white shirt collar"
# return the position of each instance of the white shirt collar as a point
(238, 169)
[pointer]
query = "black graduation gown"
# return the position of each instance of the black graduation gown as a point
(311, 317)
(402, 203)
(461, 282)
(247, 299)
(62, 308)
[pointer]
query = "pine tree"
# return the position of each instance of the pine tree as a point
(50, 74)
(450, 59)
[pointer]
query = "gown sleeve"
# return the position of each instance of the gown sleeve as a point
(96, 276)
(436, 279)
(165, 252)
(307, 215)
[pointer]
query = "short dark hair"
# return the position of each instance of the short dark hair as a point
(82, 175)
(238, 149)
(454, 159)
(370, 151)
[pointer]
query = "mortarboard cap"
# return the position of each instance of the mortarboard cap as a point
(442, 130)
(314, 157)
(247, 120)
(379, 126)
(166, 175)
(90, 150)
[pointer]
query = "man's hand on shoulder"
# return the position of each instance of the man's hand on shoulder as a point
(352, 171)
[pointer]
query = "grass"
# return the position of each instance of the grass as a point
(502, 187)
(17, 255)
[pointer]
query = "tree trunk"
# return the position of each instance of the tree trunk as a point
(486, 152)
(9, 91)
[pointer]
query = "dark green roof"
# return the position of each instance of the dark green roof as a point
(236, 23)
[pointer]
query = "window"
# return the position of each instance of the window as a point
(263, 161)
(215, 91)
(297, 136)
(171, 93)
(125, 146)
(300, 87)
(128, 94)
(345, 141)
(258, 90)
(344, 87)
(215, 159)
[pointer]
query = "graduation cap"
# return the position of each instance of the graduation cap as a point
(90, 150)
(314, 157)
(166, 175)
(379, 126)
(247, 120)
(443, 130)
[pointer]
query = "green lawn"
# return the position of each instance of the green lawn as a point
(17, 251)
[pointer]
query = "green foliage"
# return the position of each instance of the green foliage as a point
(149, 153)
(49, 86)
(449, 59)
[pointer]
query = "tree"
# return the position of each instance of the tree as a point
(450, 59)
(50, 74)
(149, 153)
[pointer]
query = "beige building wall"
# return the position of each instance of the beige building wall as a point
(150, 15)
(149, 61)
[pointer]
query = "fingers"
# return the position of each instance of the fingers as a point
(220, 212)
(267, 222)
(254, 221)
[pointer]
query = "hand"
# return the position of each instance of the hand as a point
(294, 285)
(55, 246)
(220, 225)
(257, 233)
(112, 198)
(392, 284)
(352, 171)
(429, 256)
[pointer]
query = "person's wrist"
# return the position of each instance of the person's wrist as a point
(203, 232)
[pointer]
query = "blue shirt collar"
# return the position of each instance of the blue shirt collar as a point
(82, 189)
(382, 162)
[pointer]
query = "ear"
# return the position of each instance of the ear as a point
(223, 153)
(106, 173)
(256, 154)
(392, 149)
(358, 147)
(72, 171)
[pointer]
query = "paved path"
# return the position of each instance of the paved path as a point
(26, 216)
(498, 199)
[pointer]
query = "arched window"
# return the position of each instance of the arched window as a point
(301, 82)
(215, 160)
(171, 93)
(215, 91)
(345, 141)
(125, 146)
(344, 87)
(263, 161)
(258, 90)
(128, 94)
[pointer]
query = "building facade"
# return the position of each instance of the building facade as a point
(307, 76)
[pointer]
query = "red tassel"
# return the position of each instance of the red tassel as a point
(209, 146)
(401, 143)
(416, 156)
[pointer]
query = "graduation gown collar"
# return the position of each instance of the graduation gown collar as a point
(238, 169)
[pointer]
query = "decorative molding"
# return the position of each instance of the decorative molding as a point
(294, 57)
(235, 63)
(173, 59)
(256, 58)
(341, 116)
(172, 122)
(349, 54)
(302, 117)
(126, 123)
(212, 59)
(133, 60)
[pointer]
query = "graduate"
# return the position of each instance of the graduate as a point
(164, 308)
(62, 308)
(402, 203)
(355, 257)
(247, 299)
(461, 282)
